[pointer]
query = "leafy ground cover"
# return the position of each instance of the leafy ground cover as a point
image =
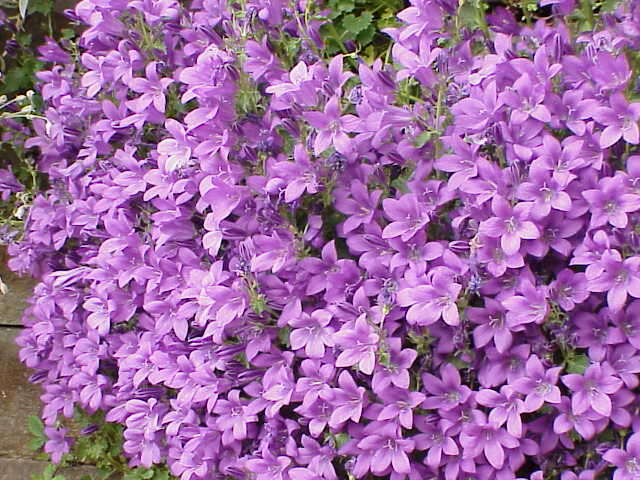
(354, 240)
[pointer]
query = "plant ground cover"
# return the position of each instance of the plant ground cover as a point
(292, 241)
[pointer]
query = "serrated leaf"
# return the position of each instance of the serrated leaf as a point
(578, 363)
(104, 473)
(469, 14)
(366, 36)
(35, 444)
(35, 426)
(345, 5)
(49, 471)
(356, 24)
(23, 5)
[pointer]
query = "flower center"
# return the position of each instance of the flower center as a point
(632, 466)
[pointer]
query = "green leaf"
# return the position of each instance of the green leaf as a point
(356, 24)
(35, 444)
(68, 33)
(471, 14)
(23, 5)
(340, 7)
(341, 439)
(283, 335)
(35, 426)
(577, 363)
(45, 7)
(162, 475)
(366, 36)
(49, 471)
(422, 139)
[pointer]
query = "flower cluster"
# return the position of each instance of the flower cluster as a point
(270, 265)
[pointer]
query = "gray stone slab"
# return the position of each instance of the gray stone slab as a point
(18, 399)
(13, 303)
(22, 469)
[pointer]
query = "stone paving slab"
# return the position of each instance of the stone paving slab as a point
(22, 469)
(13, 303)
(18, 399)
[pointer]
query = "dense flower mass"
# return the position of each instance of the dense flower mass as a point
(268, 264)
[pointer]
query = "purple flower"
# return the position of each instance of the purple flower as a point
(475, 113)
(569, 289)
(347, 400)
(298, 175)
(269, 467)
(333, 128)
(313, 333)
(530, 307)
(57, 443)
(428, 303)
(610, 204)
(233, 416)
(8, 184)
(492, 325)
(619, 278)
(485, 437)
(462, 163)
(301, 84)
(539, 385)
(359, 344)
(389, 451)
(506, 407)
(544, 192)
(526, 98)
(360, 207)
(627, 461)
(510, 224)
(407, 214)
(437, 439)
(399, 404)
(620, 120)
(592, 389)
(446, 392)
(152, 89)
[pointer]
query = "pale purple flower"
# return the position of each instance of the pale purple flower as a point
(481, 436)
(592, 389)
(446, 392)
(388, 451)
(539, 385)
(428, 303)
(506, 407)
(620, 121)
(152, 89)
(347, 400)
(609, 203)
(333, 128)
(626, 460)
(359, 343)
(408, 217)
(313, 333)
(510, 224)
